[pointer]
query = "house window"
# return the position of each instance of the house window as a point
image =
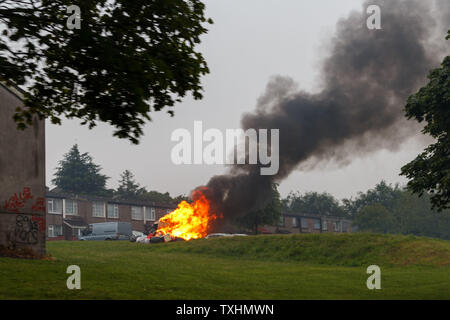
(54, 206)
(304, 223)
(113, 211)
(136, 213)
(324, 225)
(317, 224)
(294, 222)
(281, 221)
(71, 207)
(150, 214)
(54, 230)
(98, 209)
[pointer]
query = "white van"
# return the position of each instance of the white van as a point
(107, 231)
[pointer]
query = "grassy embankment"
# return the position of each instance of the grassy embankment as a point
(322, 266)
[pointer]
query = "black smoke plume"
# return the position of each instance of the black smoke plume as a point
(366, 80)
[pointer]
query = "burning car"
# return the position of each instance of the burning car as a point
(188, 221)
(135, 235)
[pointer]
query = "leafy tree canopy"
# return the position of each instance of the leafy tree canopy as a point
(313, 203)
(408, 214)
(430, 171)
(374, 218)
(127, 59)
(414, 215)
(267, 216)
(78, 174)
(128, 187)
(383, 194)
(157, 196)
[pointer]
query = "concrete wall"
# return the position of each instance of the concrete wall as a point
(22, 181)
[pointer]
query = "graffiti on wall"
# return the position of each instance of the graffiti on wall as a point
(18, 200)
(40, 221)
(27, 230)
(39, 206)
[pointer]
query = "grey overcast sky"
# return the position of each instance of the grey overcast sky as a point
(249, 42)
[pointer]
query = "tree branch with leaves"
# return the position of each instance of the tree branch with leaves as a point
(430, 171)
(128, 59)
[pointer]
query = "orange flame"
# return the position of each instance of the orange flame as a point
(188, 221)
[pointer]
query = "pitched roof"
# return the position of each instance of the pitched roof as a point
(75, 223)
(60, 195)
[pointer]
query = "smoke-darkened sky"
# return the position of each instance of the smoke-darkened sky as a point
(250, 42)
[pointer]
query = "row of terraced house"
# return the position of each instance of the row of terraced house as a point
(68, 215)
(310, 223)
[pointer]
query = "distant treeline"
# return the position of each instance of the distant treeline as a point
(383, 209)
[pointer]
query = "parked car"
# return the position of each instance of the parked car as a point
(107, 231)
(218, 235)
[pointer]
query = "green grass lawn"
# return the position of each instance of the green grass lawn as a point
(323, 266)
